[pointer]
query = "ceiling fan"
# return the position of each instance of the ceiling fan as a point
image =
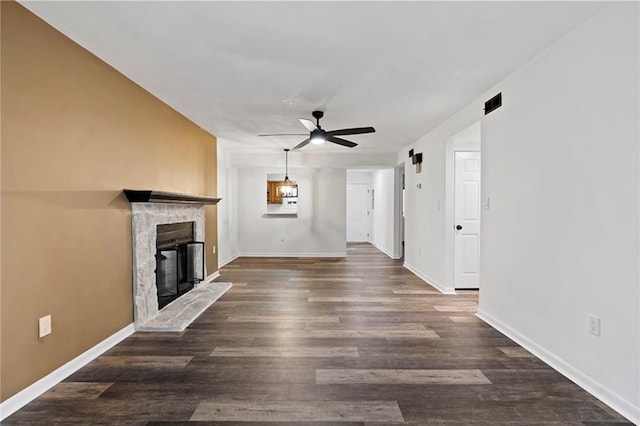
(318, 136)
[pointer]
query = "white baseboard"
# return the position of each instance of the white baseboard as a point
(229, 260)
(612, 399)
(438, 286)
(259, 254)
(31, 392)
(385, 251)
(212, 277)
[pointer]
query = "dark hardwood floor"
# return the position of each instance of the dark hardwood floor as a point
(353, 341)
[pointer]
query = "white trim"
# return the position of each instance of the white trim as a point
(433, 283)
(212, 277)
(292, 254)
(229, 260)
(382, 249)
(398, 219)
(609, 397)
(31, 392)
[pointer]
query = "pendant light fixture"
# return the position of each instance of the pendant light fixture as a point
(288, 189)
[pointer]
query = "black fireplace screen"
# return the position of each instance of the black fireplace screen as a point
(179, 261)
(167, 273)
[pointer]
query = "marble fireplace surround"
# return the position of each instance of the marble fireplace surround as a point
(146, 214)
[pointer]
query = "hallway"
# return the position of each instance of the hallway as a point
(351, 341)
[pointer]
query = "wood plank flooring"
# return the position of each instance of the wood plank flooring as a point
(355, 341)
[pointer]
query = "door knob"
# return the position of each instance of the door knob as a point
(458, 227)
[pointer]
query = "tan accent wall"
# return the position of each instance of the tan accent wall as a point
(75, 132)
(211, 212)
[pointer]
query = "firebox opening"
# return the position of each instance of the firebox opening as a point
(179, 261)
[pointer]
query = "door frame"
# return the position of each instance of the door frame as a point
(398, 219)
(457, 142)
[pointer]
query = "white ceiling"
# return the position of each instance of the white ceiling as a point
(239, 69)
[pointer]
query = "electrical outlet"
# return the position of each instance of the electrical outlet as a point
(213, 249)
(44, 326)
(594, 325)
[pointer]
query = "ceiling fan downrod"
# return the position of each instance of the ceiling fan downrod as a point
(317, 115)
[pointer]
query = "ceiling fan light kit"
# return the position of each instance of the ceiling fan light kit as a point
(318, 136)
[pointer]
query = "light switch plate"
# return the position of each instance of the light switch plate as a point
(486, 203)
(44, 326)
(594, 325)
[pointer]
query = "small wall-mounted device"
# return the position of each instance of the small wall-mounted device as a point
(411, 153)
(44, 326)
(493, 103)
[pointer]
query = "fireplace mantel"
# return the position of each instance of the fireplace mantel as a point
(151, 196)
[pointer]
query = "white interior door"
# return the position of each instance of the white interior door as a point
(357, 212)
(467, 219)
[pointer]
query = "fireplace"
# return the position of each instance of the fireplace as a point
(145, 220)
(179, 261)
(149, 210)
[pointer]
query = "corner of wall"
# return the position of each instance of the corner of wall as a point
(432, 282)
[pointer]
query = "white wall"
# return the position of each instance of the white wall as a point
(560, 241)
(424, 233)
(227, 208)
(319, 229)
(560, 164)
(382, 215)
(359, 176)
(302, 158)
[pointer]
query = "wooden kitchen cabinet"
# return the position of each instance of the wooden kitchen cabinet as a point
(274, 193)
(274, 196)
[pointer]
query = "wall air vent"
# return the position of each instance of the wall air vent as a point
(493, 103)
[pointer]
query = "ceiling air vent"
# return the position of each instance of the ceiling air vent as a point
(493, 103)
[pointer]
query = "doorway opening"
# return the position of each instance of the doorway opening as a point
(359, 200)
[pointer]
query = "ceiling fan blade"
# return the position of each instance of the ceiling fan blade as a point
(285, 134)
(354, 131)
(303, 143)
(340, 141)
(308, 124)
